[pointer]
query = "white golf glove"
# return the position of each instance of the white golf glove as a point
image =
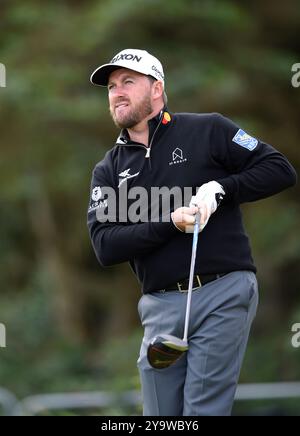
(207, 199)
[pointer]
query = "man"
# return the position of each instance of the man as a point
(207, 151)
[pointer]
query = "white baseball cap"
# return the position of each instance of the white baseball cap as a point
(133, 59)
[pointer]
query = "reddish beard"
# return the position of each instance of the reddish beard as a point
(134, 115)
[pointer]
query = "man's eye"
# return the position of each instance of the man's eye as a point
(128, 81)
(110, 87)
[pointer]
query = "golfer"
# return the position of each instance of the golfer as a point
(221, 166)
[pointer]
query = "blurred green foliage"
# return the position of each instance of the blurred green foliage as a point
(74, 326)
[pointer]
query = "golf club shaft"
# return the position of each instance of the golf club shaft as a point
(191, 278)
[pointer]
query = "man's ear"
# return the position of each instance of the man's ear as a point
(157, 90)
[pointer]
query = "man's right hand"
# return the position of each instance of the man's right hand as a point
(184, 218)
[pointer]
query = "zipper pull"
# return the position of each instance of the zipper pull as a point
(148, 152)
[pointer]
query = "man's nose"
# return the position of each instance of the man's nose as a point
(117, 91)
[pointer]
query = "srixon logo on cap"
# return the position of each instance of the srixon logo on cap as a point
(126, 57)
(157, 72)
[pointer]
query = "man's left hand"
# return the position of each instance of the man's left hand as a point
(207, 199)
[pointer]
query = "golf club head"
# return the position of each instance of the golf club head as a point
(164, 350)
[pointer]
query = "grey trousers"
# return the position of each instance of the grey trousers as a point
(202, 382)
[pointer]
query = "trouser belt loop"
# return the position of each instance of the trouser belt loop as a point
(199, 281)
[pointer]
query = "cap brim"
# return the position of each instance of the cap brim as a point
(101, 75)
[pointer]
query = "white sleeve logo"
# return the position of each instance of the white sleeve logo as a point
(97, 193)
(244, 140)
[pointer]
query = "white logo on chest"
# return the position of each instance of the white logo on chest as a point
(125, 175)
(177, 157)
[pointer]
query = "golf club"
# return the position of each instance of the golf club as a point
(164, 350)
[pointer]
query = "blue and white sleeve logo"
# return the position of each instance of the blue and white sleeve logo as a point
(244, 140)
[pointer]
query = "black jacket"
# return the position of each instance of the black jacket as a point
(186, 150)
